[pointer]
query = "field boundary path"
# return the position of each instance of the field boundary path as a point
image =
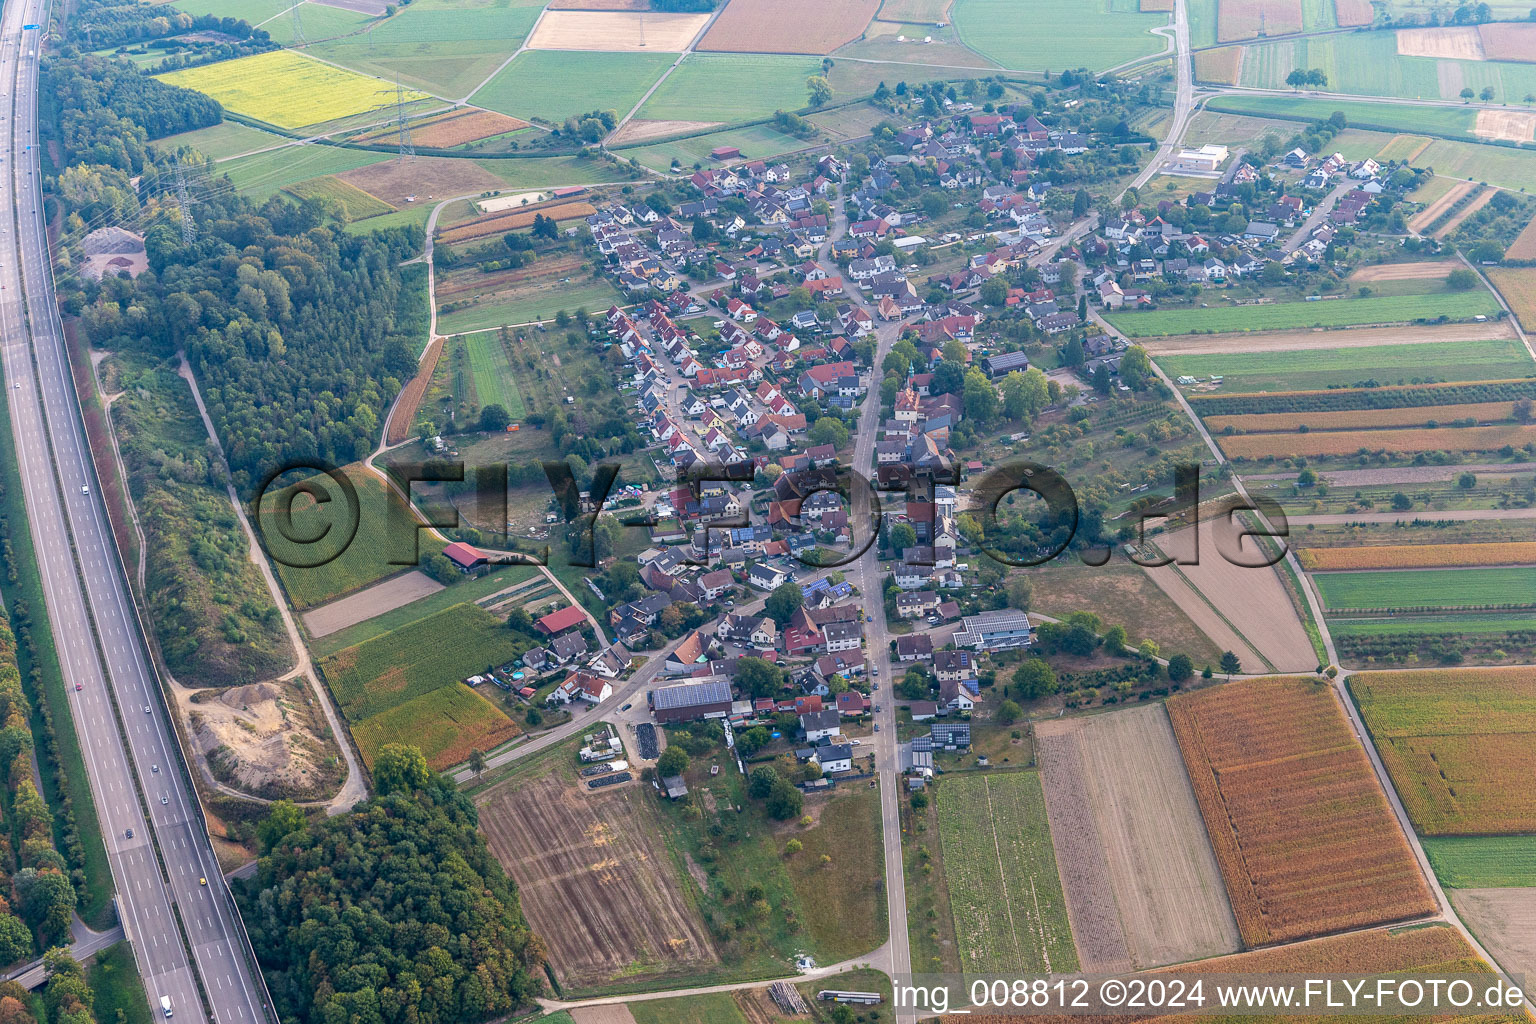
(354, 788)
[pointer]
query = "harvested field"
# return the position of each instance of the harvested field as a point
(1418, 556)
(616, 1013)
(365, 604)
(917, 12)
(465, 127)
(788, 26)
(1142, 885)
(644, 131)
(1252, 603)
(1348, 442)
(1424, 270)
(422, 178)
(501, 223)
(1242, 19)
(445, 724)
(1355, 419)
(1221, 65)
(1457, 743)
(1435, 949)
(1305, 839)
(1298, 341)
(351, 202)
(1504, 921)
(1459, 43)
(1481, 200)
(599, 5)
(1518, 286)
(1509, 125)
(616, 31)
(402, 418)
(1430, 213)
(1509, 41)
(1524, 245)
(1156, 6)
(1120, 592)
(1001, 870)
(595, 879)
(1404, 148)
(1350, 13)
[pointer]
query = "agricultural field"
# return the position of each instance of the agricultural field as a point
(1048, 34)
(362, 605)
(1392, 117)
(756, 142)
(320, 21)
(515, 220)
(1524, 247)
(1004, 889)
(262, 175)
(620, 31)
(1141, 881)
(920, 12)
(788, 26)
(361, 562)
(1518, 286)
(1427, 588)
(472, 301)
(1418, 556)
(221, 141)
(730, 89)
(538, 83)
(1348, 442)
(389, 670)
(1483, 862)
(1403, 148)
(463, 128)
(595, 876)
(445, 723)
(1244, 19)
(287, 89)
(1320, 369)
(1495, 165)
(1376, 309)
(1504, 921)
(1305, 839)
(1220, 66)
(490, 373)
(1457, 743)
(348, 201)
(1360, 419)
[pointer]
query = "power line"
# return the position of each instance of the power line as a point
(184, 204)
(406, 148)
(298, 26)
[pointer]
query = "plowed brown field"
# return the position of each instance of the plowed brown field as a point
(789, 26)
(1242, 19)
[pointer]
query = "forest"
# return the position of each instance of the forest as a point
(395, 913)
(103, 111)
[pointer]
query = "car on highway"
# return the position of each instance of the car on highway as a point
(129, 833)
(202, 881)
(146, 709)
(155, 768)
(86, 489)
(164, 799)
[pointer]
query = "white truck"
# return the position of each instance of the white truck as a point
(165, 1004)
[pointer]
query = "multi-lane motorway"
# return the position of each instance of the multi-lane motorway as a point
(186, 935)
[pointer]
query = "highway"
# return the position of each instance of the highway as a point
(185, 935)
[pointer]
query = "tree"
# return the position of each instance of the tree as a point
(758, 677)
(1135, 368)
(494, 418)
(673, 761)
(761, 782)
(1230, 663)
(1401, 502)
(477, 762)
(1317, 77)
(902, 536)
(784, 801)
(782, 604)
(820, 90)
(979, 397)
(1008, 712)
(1020, 592)
(1034, 678)
(15, 939)
(1115, 639)
(793, 847)
(995, 291)
(1487, 94)
(440, 567)
(1306, 478)
(284, 817)
(1080, 203)
(1296, 79)
(1467, 93)
(829, 430)
(1461, 279)
(1180, 668)
(1466, 481)
(1025, 395)
(400, 769)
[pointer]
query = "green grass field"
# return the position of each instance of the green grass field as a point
(223, 140)
(756, 142)
(253, 11)
(407, 662)
(539, 303)
(1494, 359)
(446, 47)
(713, 1008)
(119, 991)
(1004, 889)
(1495, 165)
(1049, 34)
(320, 22)
(1483, 862)
(263, 175)
(1401, 625)
(1391, 117)
(365, 560)
(353, 203)
(539, 83)
(445, 723)
(1431, 588)
(1383, 309)
(738, 87)
(492, 373)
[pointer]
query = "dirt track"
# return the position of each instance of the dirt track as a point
(1142, 884)
(371, 601)
(1298, 341)
(1427, 216)
(1482, 200)
(1253, 601)
(644, 131)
